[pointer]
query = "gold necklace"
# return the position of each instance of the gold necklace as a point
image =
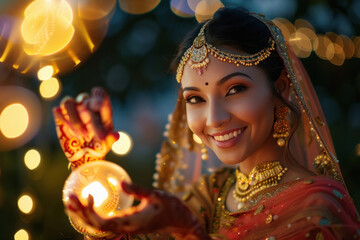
(262, 176)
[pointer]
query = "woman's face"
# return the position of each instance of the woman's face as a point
(230, 108)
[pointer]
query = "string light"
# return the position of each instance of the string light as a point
(45, 73)
(32, 159)
(25, 204)
(49, 89)
(14, 120)
(124, 145)
(22, 234)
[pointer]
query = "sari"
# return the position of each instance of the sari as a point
(317, 207)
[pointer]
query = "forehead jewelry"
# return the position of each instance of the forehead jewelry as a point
(197, 55)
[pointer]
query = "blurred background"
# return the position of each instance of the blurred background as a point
(55, 48)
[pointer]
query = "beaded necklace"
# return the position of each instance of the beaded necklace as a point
(262, 176)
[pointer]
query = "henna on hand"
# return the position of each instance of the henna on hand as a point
(84, 127)
(158, 211)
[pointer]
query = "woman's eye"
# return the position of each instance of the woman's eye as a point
(236, 89)
(194, 100)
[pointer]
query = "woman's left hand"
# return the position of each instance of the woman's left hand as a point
(158, 212)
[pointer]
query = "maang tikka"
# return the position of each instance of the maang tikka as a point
(197, 55)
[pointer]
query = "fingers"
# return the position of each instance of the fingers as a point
(86, 213)
(100, 102)
(136, 190)
(68, 107)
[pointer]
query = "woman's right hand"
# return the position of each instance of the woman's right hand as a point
(84, 127)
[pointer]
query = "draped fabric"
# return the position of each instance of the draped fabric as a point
(317, 207)
(311, 208)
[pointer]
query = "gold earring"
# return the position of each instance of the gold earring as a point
(204, 154)
(281, 125)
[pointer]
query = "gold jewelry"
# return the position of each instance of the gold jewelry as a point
(204, 154)
(281, 125)
(262, 176)
(197, 55)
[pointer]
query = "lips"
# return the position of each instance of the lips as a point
(229, 138)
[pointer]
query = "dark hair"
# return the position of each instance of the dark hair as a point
(234, 27)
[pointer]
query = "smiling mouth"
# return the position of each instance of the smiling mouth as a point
(228, 136)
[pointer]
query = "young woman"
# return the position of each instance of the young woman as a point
(245, 94)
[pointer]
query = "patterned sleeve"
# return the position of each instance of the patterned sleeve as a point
(202, 197)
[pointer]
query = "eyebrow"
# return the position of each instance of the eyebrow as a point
(221, 81)
(231, 75)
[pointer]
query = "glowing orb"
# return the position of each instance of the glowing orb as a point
(49, 88)
(14, 120)
(45, 73)
(47, 27)
(102, 180)
(21, 235)
(124, 145)
(25, 204)
(32, 159)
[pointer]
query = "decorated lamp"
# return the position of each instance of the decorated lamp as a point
(101, 179)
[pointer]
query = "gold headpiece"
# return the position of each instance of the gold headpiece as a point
(197, 55)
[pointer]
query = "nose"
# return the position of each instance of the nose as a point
(217, 114)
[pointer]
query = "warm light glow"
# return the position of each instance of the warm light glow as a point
(286, 27)
(113, 181)
(14, 120)
(49, 88)
(47, 27)
(6, 51)
(32, 159)
(95, 9)
(45, 73)
(123, 145)
(102, 180)
(322, 46)
(74, 57)
(97, 190)
(206, 9)
(21, 235)
(301, 44)
(138, 6)
(181, 8)
(197, 139)
(339, 55)
(348, 46)
(25, 204)
(356, 41)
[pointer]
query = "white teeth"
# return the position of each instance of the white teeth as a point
(225, 137)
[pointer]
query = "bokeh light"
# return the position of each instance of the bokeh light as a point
(323, 46)
(45, 73)
(301, 44)
(47, 27)
(286, 27)
(348, 46)
(22, 234)
(95, 9)
(21, 120)
(32, 159)
(14, 120)
(181, 8)
(49, 89)
(124, 145)
(138, 6)
(356, 41)
(26, 203)
(206, 9)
